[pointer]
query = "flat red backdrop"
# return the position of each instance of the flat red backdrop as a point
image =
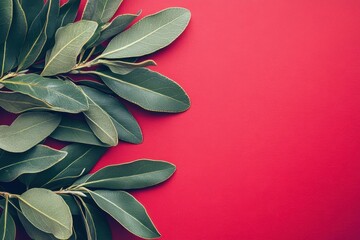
(270, 147)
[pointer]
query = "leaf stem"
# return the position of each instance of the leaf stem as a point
(8, 195)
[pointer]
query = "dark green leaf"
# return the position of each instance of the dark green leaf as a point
(68, 12)
(96, 85)
(37, 205)
(35, 160)
(10, 49)
(79, 161)
(74, 130)
(125, 209)
(69, 41)
(150, 90)
(28, 130)
(7, 224)
(18, 103)
(125, 124)
(101, 124)
(123, 68)
(100, 11)
(135, 175)
(150, 34)
(119, 24)
(61, 95)
(32, 8)
(6, 12)
(42, 28)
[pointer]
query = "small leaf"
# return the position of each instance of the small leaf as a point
(18, 103)
(118, 25)
(41, 29)
(123, 68)
(35, 160)
(7, 224)
(6, 11)
(135, 175)
(125, 209)
(28, 130)
(37, 205)
(68, 12)
(125, 124)
(100, 11)
(61, 95)
(150, 34)
(69, 41)
(79, 161)
(101, 124)
(74, 130)
(150, 90)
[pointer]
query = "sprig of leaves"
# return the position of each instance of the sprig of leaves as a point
(51, 192)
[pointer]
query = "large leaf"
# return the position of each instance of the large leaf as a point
(7, 224)
(35, 160)
(135, 175)
(149, 35)
(74, 130)
(68, 12)
(61, 95)
(150, 90)
(79, 161)
(32, 231)
(10, 49)
(32, 8)
(47, 211)
(28, 130)
(42, 28)
(100, 10)
(6, 11)
(125, 209)
(118, 25)
(18, 103)
(69, 41)
(123, 68)
(101, 124)
(125, 124)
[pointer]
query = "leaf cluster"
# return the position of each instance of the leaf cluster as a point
(66, 80)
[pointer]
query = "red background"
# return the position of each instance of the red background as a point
(270, 147)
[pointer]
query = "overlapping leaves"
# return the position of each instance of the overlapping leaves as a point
(51, 192)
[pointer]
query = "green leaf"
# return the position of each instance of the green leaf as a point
(28, 130)
(100, 11)
(68, 12)
(7, 224)
(70, 201)
(101, 124)
(150, 34)
(123, 68)
(32, 8)
(63, 96)
(134, 175)
(150, 90)
(69, 41)
(125, 209)
(35, 160)
(41, 29)
(32, 231)
(79, 161)
(10, 49)
(37, 205)
(96, 85)
(74, 130)
(96, 224)
(18, 103)
(119, 24)
(125, 124)
(6, 12)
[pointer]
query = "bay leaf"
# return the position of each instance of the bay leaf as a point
(100, 11)
(68, 12)
(7, 224)
(6, 12)
(122, 67)
(18, 103)
(32, 8)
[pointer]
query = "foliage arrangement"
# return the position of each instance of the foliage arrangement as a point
(65, 80)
